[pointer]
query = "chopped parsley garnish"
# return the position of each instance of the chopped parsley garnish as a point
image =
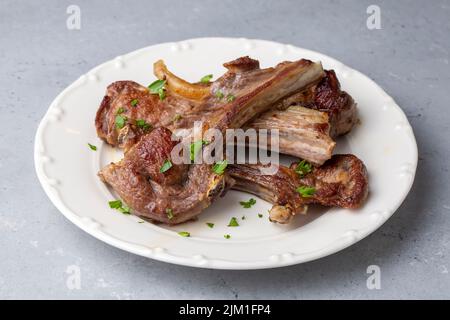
(303, 168)
(227, 236)
(306, 192)
(120, 121)
(125, 209)
(233, 222)
(219, 94)
(230, 97)
(169, 213)
(196, 147)
(184, 234)
(260, 215)
(210, 224)
(115, 204)
(177, 117)
(118, 205)
(243, 218)
(248, 204)
(206, 79)
(162, 94)
(120, 110)
(134, 102)
(94, 148)
(158, 87)
(166, 166)
(219, 167)
(141, 221)
(141, 123)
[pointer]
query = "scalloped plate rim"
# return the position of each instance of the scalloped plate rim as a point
(338, 245)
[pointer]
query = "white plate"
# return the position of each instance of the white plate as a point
(67, 168)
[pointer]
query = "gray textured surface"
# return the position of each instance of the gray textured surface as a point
(408, 57)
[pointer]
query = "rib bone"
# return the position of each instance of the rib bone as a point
(304, 133)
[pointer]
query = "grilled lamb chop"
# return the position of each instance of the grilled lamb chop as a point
(305, 134)
(326, 96)
(341, 181)
(183, 191)
(174, 196)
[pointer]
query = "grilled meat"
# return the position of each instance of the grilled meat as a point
(185, 190)
(341, 181)
(327, 97)
(304, 134)
(253, 91)
(174, 196)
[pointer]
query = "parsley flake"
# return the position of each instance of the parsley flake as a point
(219, 94)
(184, 234)
(227, 236)
(230, 97)
(169, 213)
(196, 147)
(115, 204)
(134, 102)
(118, 205)
(303, 168)
(210, 224)
(260, 215)
(219, 167)
(94, 148)
(248, 204)
(206, 79)
(306, 192)
(166, 166)
(120, 121)
(141, 123)
(162, 93)
(124, 209)
(158, 87)
(233, 222)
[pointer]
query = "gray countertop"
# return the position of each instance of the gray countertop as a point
(39, 56)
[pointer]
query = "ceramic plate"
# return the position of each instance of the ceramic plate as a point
(67, 168)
